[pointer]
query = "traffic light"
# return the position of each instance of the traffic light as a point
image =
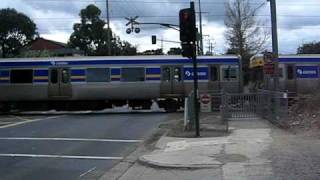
(187, 25)
(188, 50)
(154, 39)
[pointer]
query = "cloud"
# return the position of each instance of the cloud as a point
(298, 21)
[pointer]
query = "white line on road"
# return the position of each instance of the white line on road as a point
(71, 139)
(25, 121)
(87, 172)
(61, 156)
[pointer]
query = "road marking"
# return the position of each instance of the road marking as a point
(25, 121)
(71, 139)
(61, 156)
(87, 172)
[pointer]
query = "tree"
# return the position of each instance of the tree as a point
(152, 52)
(174, 51)
(29, 54)
(91, 37)
(309, 48)
(127, 49)
(16, 30)
(244, 33)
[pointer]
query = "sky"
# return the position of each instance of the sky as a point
(298, 21)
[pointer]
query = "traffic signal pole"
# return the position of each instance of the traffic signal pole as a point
(188, 38)
(196, 93)
(195, 83)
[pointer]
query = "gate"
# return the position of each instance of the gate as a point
(238, 106)
(270, 105)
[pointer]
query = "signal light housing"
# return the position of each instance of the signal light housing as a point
(187, 25)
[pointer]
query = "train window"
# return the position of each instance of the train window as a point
(280, 72)
(65, 76)
(177, 74)
(290, 72)
(214, 73)
(98, 75)
(132, 74)
(21, 76)
(166, 74)
(229, 73)
(54, 76)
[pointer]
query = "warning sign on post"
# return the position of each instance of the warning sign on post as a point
(205, 102)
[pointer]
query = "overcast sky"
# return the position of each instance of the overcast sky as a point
(298, 21)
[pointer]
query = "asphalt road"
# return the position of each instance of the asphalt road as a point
(70, 146)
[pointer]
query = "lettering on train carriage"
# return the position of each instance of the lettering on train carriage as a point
(307, 71)
(202, 73)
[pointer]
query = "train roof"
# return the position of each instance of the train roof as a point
(116, 60)
(112, 58)
(301, 58)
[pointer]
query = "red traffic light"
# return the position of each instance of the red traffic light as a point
(185, 16)
(187, 25)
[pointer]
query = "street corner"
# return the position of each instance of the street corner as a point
(184, 154)
(175, 161)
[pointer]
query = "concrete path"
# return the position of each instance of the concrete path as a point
(255, 150)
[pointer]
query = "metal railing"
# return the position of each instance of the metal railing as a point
(189, 116)
(274, 106)
(270, 105)
(241, 105)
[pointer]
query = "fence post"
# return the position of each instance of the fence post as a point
(186, 113)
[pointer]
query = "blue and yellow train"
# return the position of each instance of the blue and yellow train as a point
(104, 82)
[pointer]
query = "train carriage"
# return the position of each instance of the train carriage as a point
(100, 82)
(299, 74)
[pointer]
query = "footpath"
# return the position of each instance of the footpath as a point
(253, 149)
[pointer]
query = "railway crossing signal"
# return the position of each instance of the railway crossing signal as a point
(133, 23)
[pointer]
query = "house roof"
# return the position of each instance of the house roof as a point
(45, 44)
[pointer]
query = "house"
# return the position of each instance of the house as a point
(51, 48)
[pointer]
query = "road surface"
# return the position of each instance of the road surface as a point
(70, 146)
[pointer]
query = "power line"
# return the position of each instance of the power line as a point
(172, 16)
(173, 2)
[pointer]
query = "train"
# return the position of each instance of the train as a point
(298, 74)
(74, 83)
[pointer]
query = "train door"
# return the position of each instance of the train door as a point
(60, 83)
(172, 80)
(214, 79)
(291, 79)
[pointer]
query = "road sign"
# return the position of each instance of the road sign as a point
(268, 57)
(268, 69)
(205, 102)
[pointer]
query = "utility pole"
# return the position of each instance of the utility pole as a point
(162, 44)
(108, 26)
(200, 28)
(275, 48)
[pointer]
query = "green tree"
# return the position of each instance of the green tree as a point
(174, 51)
(91, 36)
(152, 52)
(16, 30)
(309, 48)
(127, 49)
